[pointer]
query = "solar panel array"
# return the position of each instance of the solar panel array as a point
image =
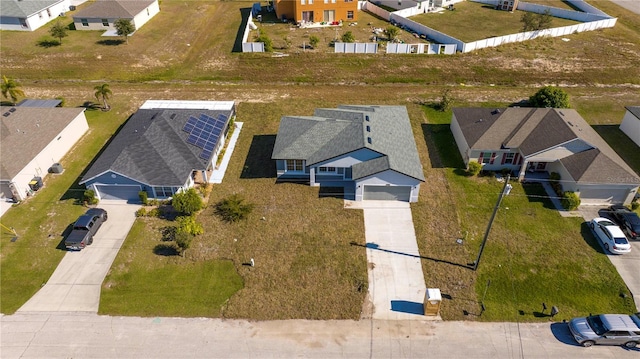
(204, 132)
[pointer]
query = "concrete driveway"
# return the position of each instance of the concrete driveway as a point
(628, 265)
(75, 284)
(396, 281)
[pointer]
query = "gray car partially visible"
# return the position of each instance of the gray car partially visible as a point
(607, 329)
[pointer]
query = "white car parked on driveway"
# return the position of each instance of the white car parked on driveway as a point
(611, 236)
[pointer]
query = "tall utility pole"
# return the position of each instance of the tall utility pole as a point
(505, 189)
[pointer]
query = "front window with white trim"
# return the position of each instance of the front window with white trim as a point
(295, 165)
(164, 192)
(508, 159)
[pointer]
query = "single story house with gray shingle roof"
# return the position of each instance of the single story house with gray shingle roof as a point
(370, 151)
(631, 123)
(29, 15)
(102, 14)
(161, 149)
(33, 139)
(530, 141)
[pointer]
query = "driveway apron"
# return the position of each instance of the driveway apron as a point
(396, 280)
(75, 284)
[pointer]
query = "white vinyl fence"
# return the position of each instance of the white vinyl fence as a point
(250, 46)
(356, 47)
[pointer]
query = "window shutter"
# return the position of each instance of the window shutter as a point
(480, 158)
(504, 158)
(493, 158)
(520, 161)
(516, 158)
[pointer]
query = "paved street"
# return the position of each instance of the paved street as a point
(85, 335)
(75, 284)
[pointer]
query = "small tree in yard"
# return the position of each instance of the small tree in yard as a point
(348, 37)
(544, 20)
(11, 89)
(187, 202)
(550, 96)
(124, 27)
(58, 31)
(534, 22)
(392, 33)
(313, 41)
(183, 241)
(103, 92)
(233, 208)
(446, 101)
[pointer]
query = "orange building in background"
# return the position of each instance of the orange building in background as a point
(316, 10)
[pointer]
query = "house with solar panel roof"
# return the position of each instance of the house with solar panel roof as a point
(161, 150)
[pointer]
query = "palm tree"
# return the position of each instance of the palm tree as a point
(103, 91)
(10, 89)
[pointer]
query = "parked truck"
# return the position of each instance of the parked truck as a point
(85, 228)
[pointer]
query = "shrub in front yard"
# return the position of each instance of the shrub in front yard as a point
(183, 240)
(143, 197)
(474, 168)
(189, 225)
(187, 202)
(141, 212)
(570, 201)
(635, 205)
(89, 197)
(233, 208)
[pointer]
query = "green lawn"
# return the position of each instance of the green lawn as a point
(143, 283)
(471, 21)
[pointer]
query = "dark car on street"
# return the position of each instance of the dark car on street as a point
(627, 219)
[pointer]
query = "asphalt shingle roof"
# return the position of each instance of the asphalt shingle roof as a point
(25, 8)
(111, 9)
(151, 148)
(334, 132)
(26, 131)
(532, 130)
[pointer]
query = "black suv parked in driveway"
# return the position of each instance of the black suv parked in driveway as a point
(627, 219)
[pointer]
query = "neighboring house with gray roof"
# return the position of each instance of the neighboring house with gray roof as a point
(530, 141)
(29, 15)
(32, 140)
(161, 149)
(370, 151)
(631, 123)
(102, 14)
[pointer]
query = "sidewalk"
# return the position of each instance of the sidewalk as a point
(218, 173)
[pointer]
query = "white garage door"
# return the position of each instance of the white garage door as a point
(602, 195)
(387, 193)
(126, 193)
